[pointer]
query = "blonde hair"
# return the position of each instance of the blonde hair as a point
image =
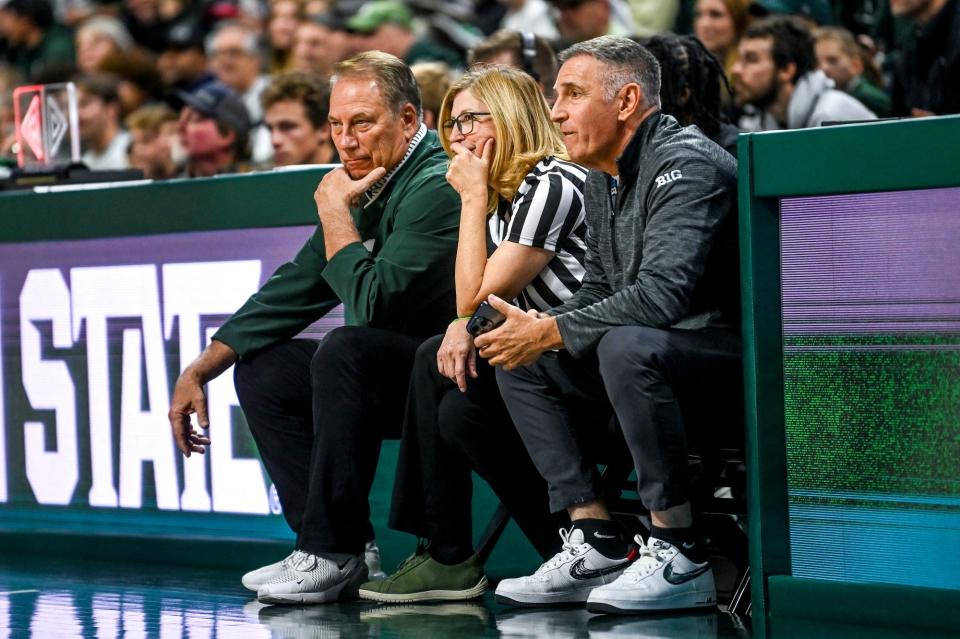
(525, 133)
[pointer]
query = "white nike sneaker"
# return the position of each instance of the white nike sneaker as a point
(371, 557)
(315, 579)
(662, 578)
(256, 578)
(568, 577)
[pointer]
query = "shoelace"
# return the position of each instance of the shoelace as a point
(568, 550)
(419, 552)
(649, 559)
(292, 559)
(306, 562)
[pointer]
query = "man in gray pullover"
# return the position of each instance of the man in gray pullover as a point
(652, 338)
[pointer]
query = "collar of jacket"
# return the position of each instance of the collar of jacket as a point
(378, 187)
(628, 164)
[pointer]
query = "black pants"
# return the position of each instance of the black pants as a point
(662, 386)
(448, 433)
(318, 414)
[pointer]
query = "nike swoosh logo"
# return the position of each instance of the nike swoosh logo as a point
(340, 566)
(299, 581)
(578, 572)
(677, 578)
(599, 536)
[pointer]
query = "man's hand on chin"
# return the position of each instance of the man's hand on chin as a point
(334, 196)
(520, 340)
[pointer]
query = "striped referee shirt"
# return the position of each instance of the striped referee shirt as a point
(547, 212)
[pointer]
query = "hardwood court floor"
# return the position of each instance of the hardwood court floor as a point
(58, 598)
(63, 598)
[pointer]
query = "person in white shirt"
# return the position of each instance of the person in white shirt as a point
(103, 141)
(530, 15)
(236, 61)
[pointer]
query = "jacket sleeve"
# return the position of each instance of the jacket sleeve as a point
(684, 218)
(294, 297)
(413, 267)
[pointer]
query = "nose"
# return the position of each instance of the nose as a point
(346, 139)
(455, 135)
(735, 69)
(557, 113)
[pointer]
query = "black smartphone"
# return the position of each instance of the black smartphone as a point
(485, 318)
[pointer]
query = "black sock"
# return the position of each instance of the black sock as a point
(606, 535)
(449, 554)
(688, 541)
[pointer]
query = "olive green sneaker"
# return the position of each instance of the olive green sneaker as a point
(422, 578)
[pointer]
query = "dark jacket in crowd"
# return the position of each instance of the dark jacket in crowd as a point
(661, 243)
(404, 283)
(928, 75)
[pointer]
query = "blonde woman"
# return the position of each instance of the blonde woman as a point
(522, 237)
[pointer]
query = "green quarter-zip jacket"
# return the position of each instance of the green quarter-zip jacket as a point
(404, 283)
(661, 239)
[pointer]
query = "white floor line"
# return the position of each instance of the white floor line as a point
(17, 592)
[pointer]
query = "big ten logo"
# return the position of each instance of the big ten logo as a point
(667, 178)
(134, 310)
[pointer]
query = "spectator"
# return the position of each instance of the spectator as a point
(812, 12)
(285, 17)
(296, 106)
(653, 16)
(926, 81)
(719, 24)
(387, 25)
(319, 412)
(846, 63)
(657, 317)
(149, 21)
(36, 45)
(777, 77)
(693, 86)
(99, 38)
(520, 196)
(183, 65)
(530, 15)
(103, 141)
(520, 50)
(581, 20)
(318, 44)
(9, 80)
(139, 81)
(214, 129)
(434, 79)
(154, 142)
(235, 61)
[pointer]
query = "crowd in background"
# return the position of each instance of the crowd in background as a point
(181, 88)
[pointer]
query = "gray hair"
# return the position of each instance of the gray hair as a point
(628, 62)
(250, 43)
(395, 79)
(110, 27)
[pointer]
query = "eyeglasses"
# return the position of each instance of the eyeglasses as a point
(464, 122)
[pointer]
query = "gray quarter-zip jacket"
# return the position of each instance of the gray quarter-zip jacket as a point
(661, 240)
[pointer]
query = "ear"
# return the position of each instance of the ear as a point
(229, 139)
(856, 62)
(410, 119)
(630, 100)
(788, 73)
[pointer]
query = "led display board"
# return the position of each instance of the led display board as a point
(871, 355)
(93, 334)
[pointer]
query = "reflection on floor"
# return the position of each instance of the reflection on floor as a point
(60, 598)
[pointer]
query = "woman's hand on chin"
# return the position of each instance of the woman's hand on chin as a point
(469, 172)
